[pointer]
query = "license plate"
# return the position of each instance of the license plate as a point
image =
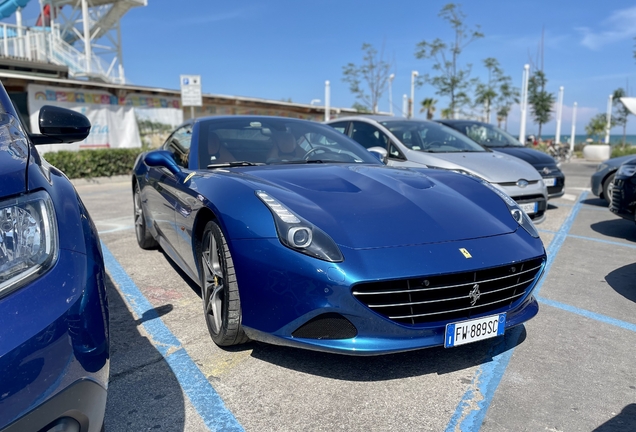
(474, 330)
(549, 181)
(529, 208)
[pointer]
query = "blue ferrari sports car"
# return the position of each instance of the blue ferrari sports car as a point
(299, 236)
(54, 340)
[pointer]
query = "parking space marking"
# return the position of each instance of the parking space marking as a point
(198, 389)
(602, 241)
(588, 314)
(472, 408)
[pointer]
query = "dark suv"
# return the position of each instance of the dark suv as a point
(496, 139)
(624, 192)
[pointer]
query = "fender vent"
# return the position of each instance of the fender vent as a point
(326, 326)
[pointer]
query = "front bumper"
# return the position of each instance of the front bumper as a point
(623, 201)
(55, 337)
(282, 290)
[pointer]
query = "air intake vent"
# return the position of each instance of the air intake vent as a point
(326, 326)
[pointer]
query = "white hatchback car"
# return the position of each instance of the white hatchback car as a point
(415, 143)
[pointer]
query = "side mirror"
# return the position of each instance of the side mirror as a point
(380, 153)
(163, 159)
(60, 126)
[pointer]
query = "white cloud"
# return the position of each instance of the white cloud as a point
(619, 26)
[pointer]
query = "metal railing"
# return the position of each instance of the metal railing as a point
(44, 44)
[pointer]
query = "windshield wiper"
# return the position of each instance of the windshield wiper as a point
(235, 164)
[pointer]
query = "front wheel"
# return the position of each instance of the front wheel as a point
(220, 293)
(608, 188)
(144, 238)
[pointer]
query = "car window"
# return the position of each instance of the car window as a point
(368, 136)
(274, 141)
(179, 145)
(340, 126)
(489, 135)
(431, 137)
(394, 153)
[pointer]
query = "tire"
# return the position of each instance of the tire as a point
(219, 289)
(144, 238)
(608, 185)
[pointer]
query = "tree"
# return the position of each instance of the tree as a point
(620, 112)
(485, 93)
(452, 80)
(540, 100)
(447, 113)
(428, 105)
(596, 126)
(508, 95)
(372, 73)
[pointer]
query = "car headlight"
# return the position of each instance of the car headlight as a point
(300, 235)
(517, 214)
(28, 239)
(601, 167)
(626, 170)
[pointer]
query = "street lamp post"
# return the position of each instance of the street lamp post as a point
(313, 101)
(524, 103)
(412, 101)
(327, 100)
(573, 128)
(405, 105)
(559, 113)
(609, 119)
(391, 77)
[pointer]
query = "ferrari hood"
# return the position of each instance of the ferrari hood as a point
(492, 166)
(376, 206)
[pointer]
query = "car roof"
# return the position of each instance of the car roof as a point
(379, 118)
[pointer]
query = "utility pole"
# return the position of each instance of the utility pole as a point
(559, 113)
(524, 103)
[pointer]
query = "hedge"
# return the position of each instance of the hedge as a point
(94, 163)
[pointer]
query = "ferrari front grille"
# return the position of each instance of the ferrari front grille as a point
(454, 296)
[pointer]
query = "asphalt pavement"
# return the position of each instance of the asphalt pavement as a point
(571, 368)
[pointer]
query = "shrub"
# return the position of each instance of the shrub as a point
(94, 163)
(619, 151)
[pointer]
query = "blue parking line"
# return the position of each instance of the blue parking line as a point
(627, 245)
(471, 411)
(588, 314)
(195, 385)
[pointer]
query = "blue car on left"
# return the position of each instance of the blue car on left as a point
(54, 340)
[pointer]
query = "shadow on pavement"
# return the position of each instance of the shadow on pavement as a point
(622, 280)
(624, 421)
(617, 228)
(143, 393)
(437, 360)
(597, 202)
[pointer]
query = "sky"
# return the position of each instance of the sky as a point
(287, 49)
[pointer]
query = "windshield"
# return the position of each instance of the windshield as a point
(487, 135)
(269, 140)
(431, 137)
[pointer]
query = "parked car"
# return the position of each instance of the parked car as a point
(603, 179)
(499, 140)
(298, 236)
(426, 143)
(54, 342)
(623, 201)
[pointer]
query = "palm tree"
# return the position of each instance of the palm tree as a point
(428, 105)
(447, 113)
